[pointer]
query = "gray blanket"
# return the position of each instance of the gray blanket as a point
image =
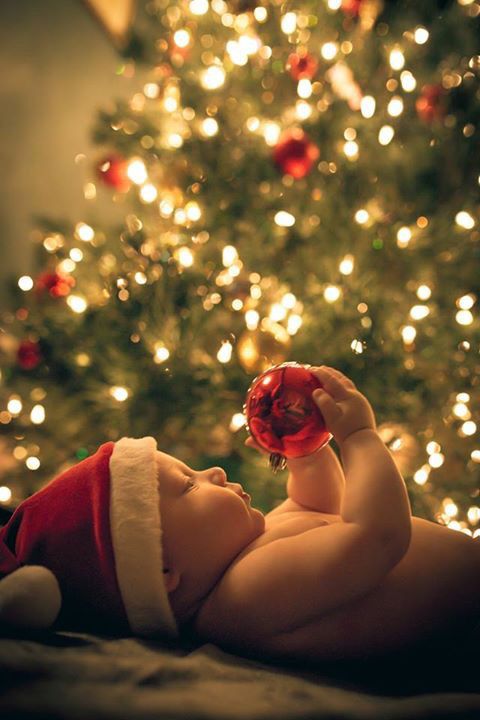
(76, 676)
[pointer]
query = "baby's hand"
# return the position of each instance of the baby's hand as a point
(344, 409)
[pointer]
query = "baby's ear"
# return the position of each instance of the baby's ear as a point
(29, 598)
(171, 578)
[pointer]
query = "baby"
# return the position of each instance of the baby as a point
(339, 570)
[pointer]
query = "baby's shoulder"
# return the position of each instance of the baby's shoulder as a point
(219, 618)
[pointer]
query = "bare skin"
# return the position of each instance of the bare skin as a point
(330, 574)
(432, 591)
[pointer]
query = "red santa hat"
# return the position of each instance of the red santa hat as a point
(93, 535)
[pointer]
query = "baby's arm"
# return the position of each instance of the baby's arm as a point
(375, 497)
(317, 481)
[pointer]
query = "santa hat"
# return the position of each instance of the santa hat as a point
(93, 535)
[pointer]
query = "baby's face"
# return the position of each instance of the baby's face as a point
(206, 521)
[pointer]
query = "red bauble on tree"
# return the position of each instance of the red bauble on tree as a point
(112, 171)
(302, 66)
(281, 414)
(295, 154)
(351, 7)
(431, 104)
(55, 284)
(29, 354)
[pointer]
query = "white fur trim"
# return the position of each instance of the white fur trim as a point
(135, 526)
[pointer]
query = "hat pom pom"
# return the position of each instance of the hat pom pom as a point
(30, 598)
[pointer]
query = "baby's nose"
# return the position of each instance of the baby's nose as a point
(217, 476)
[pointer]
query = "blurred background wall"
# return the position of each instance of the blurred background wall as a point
(58, 67)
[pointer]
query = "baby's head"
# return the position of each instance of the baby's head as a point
(206, 523)
(135, 538)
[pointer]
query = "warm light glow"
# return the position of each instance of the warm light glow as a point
(436, 460)
(404, 235)
(464, 317)
(213, 77)
(181, 38)
(184, 257)
(137, 172)
(362, 216)
(408, 334)
(350, 148)
(148, 193)
(120, 394)
(224, 355)
(304, 88)
(198, 7)
(77, 303)
(238, 421)
(395, 106)
(332, 293)
(356, 346)
(76, 255)
(421, 476)
(385, 134)
(469, 428)
(421, 35)
(14, 405)
(450, 508)
(465, 220)
(37, 415)
(288, 23)
(5, 494)
(346, 265)
(25, 283)
(161, 354)
(284, 219)
(423, 292)
(209, 127)
(140, 278)
(271, 133)
(252, 318)
(229, 255)
(84, 232)
(408, 81)
(461, 411)
(289, 300)
(367, 106)
(396, 59)
(277, 312)
(294, 323)
(466, 302)
(32, 463)
(419, 312)
(329, 50)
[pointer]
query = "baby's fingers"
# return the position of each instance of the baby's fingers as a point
(327, 406)
(333, 383)
(250, 442)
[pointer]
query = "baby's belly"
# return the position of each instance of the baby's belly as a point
(432, 592)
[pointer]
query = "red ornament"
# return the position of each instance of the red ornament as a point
(351, 7)
(56, 284)
(295, 153)
(28, 354)
(431, 104)
(301, 66)
(112, 171)
(281, 414)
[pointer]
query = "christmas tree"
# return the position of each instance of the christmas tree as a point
(298, 181)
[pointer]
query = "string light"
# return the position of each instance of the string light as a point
(224, 355)
(25, 283)
(5, 494)
(367, 106)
